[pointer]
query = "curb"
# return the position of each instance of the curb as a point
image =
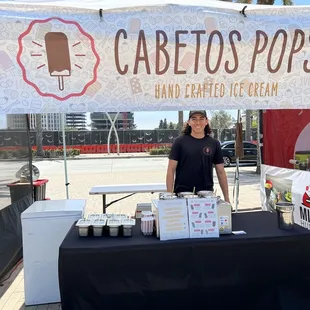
(84, 158)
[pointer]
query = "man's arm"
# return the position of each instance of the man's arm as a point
(221, 175)
(172, 165)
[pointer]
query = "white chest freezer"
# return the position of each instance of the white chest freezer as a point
(44, 226)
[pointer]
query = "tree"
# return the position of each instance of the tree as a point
(171, 125)
(161, 124)
(165, 124)
(221, 120)
(250, 122)
(180, 121)
(67, 128)
(39, 135)
(248, 130)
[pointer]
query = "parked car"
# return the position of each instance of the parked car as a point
(228, 150)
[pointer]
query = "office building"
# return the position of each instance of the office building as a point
(50, 121)
(76, 121)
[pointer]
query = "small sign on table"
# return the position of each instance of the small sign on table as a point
(203, 218)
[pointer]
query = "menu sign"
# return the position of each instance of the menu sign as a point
(173, 219)
(203, 218)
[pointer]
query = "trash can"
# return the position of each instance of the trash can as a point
(39, 187)
(19, 190)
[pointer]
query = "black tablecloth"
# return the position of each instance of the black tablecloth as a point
(265, 269)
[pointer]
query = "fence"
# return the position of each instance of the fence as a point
(18, 139)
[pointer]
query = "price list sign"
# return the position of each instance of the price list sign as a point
(203, 218)
(173, 219)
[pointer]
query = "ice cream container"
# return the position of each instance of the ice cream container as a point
(128, 221)
(166, 196)
(98, 227)
(188, 195)
(182, 194)
(205, 194)
(119, 216)
(114, 225)
(127, 226)
(95, 216)
(83, 226)
(285, 215)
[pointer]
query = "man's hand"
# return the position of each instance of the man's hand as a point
(221, 175)
(172, 165)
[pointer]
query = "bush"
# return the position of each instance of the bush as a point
(10, 154)
(57, 153)
(4, 154)
(160, 151)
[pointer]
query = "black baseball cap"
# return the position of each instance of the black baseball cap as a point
(201, 112)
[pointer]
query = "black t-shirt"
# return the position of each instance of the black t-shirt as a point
(195, 159)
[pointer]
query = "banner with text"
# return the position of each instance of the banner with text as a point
(286, 185)
(165, 57)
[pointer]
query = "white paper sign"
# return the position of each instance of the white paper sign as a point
(203, 219)
(173, 219)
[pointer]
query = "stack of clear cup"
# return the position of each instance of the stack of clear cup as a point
(147, 223)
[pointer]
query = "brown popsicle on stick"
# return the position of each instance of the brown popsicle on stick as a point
(58, 56)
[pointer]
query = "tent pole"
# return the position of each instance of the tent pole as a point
(237, 172)
(30, 156)
(65, 153)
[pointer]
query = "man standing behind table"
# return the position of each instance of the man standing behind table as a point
(192, 157)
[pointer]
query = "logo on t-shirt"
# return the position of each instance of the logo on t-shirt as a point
(207, 150)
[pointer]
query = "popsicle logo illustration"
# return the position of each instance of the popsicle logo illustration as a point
(58, 58)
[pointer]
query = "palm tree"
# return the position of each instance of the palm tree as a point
(39, 135)
(180, 121)
(248, 129)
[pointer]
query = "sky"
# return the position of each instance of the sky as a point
(150, 120)
(296, 2)
(2, 121)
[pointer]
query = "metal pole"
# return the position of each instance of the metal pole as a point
(30, 156)
(237, 171)
(65, 154)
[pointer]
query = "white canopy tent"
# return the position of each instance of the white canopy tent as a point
(104, 56)
(69, 56)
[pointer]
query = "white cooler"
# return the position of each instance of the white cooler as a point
(44, 227)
